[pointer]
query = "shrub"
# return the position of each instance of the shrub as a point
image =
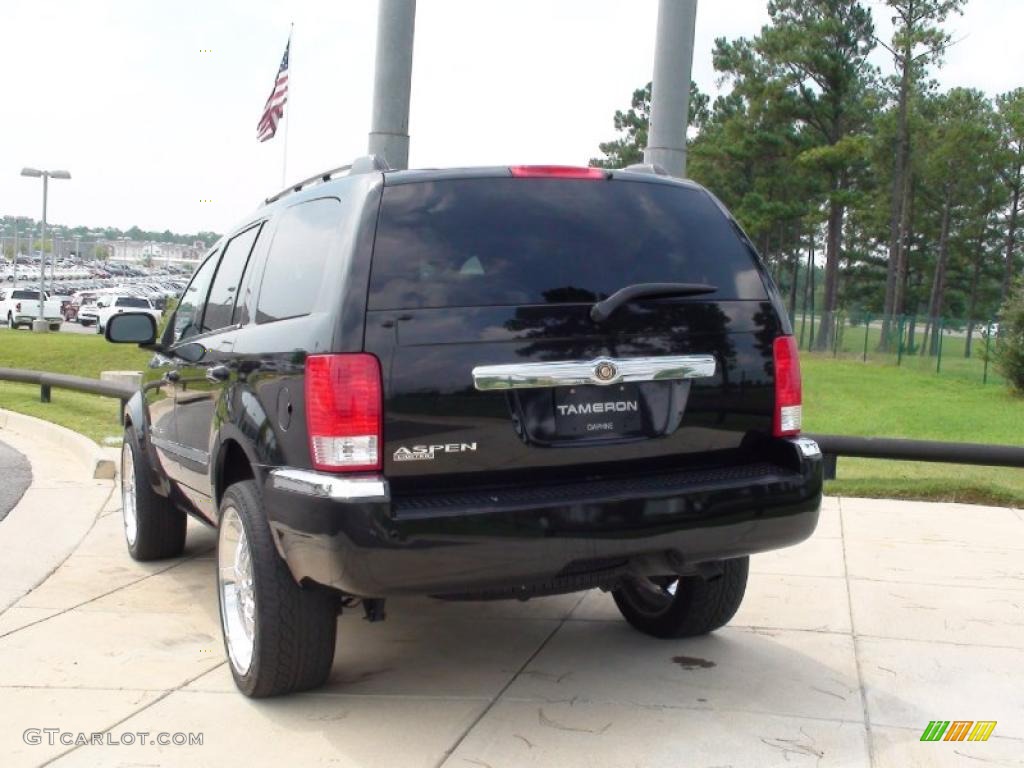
(1009, 354)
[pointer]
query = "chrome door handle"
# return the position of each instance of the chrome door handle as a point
(603, 370)
(218, 373)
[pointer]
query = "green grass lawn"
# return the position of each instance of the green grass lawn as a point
(75, 354)
(841, 396)
(853, 398)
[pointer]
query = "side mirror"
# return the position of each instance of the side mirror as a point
(192, 352)
(131, 328)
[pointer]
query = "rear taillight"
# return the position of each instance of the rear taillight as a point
(344, 411)
(556, 172)
(788, 394)
(17, 307)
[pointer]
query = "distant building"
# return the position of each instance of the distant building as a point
(137, 251)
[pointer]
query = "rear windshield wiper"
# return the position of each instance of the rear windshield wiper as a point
(604, 309)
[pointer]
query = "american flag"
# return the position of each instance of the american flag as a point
(273, 110)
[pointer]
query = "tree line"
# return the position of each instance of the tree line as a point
(30, 227)
(911, 194)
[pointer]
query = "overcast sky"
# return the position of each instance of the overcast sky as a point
(119, 92)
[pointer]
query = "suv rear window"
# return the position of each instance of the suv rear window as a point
(494, 241)
(308, 236)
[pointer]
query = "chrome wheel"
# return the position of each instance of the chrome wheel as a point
(129, 510)
(237, 598)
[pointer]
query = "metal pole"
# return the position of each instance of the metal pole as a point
(867, 325)
(392, 82)
(938, 360)
(286, 118)
(670, 89)
(810, 267)
(810, 342)
(988, 338)
(899, 348)
(39, 325)
(14, 283)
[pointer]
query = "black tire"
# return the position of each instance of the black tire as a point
(294, 627)
(159, 525)
(696, 607)
(10, 322)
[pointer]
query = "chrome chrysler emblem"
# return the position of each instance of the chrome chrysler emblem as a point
(604, 371)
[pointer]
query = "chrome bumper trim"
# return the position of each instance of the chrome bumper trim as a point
(808, 447)
(602, 370)
(351, 488)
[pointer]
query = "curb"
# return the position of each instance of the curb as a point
(90, 455)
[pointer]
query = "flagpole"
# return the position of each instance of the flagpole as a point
(286, 118)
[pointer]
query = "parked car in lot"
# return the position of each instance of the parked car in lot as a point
(115, 305)
(89, 311)
(472, 384)
(65, 300)
(19, 307)
(72, 308)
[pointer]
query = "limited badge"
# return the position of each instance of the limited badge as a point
(429, 452)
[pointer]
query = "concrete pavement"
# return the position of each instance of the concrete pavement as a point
(56, 511)
(892, 615)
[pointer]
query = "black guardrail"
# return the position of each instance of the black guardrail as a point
(833, 446)
(47, 381)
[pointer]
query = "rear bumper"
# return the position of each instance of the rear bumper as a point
(22, 319)
(350, 534)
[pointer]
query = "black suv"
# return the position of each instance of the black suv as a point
(472, 384)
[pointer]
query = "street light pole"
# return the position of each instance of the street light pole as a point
(42, 258)
(14, 283)
(40, 325)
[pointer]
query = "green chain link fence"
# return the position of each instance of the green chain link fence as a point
(943, 345)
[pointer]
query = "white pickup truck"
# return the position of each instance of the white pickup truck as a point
(19, 307)
(114, 305)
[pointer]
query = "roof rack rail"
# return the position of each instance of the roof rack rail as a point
(364, 164)
(646, 168)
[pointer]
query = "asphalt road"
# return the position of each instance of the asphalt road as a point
(76, 328)
(16, 474)
(68, 328)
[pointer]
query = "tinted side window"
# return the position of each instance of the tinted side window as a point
(495, 241)
(308, 236)
(224, 292)
(190, 308)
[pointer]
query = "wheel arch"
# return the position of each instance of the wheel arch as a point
(135, 417)
(136, 422)
(233, 464)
